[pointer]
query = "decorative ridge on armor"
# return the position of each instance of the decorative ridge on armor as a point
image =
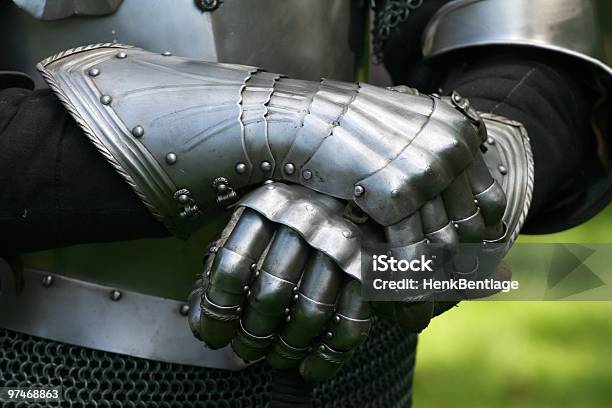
(528, 168)
(76, 50)
(83, 123)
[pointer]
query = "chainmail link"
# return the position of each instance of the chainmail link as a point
(388, 15)
(378, 375)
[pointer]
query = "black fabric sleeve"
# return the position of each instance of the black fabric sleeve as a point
(547, 95)
(55, 188)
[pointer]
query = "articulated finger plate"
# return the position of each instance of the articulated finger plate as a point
(272, 290)
(349, 328)
(314, 305)
(243, 241)
(316, 217)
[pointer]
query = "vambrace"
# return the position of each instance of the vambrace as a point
(191, 135)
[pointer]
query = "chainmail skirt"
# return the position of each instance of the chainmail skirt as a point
(379, 375)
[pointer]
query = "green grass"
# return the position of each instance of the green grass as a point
(521, 354)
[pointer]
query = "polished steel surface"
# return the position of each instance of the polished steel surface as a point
(565, 26)
(509, 147)
(59, 9)
(102, 317)
(314, 40)
(316, 217)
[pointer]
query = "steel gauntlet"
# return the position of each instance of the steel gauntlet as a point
(191, 135)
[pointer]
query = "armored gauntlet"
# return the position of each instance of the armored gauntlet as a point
(189, 136)
(349, 160)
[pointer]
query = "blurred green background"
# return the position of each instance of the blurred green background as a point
(523, 354)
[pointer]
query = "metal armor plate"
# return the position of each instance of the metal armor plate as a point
(565, 26)
(315, 39)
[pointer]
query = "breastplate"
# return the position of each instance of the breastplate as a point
(302, 39)
(149, 279)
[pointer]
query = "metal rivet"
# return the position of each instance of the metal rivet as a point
(307, 174)
(166, 53)
(245, 288)
(287, 310)
(394, 193)
(208, 5)
(184, 309)
(115, 295)
(427, 241)
(240, 168)
(269, 181)
(296, 296)
(490, 141)
(94, 72)
(183, 198)
(289, 168)
(214, 249)
(106, 99)
(121, 55)
(138, 131)
(208, 274)
(257, 274)
(329, 335)
(288, 319)
(322, 347)
(265, 166)
(253, 267)
(457, 98)
(475, 201)
(221, 188)
(347, 234)
(47, 281)
(337, 319)
(359, 190)
(456, 225)
(295, 289)
(171, 158)
(238, 310)
(248, 293)
(502, 169)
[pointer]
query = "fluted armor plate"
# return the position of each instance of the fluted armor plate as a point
(189, 135)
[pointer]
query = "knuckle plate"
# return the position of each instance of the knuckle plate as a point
(230, 271)
(445, 235)
(471, 229)
(492, 201)
(308, 317)
(348, 332)
(271, 294)
(316, 217)
(249, 346)
(283, 351)
(217, 312)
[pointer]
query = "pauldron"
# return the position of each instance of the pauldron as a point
(567, 27)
